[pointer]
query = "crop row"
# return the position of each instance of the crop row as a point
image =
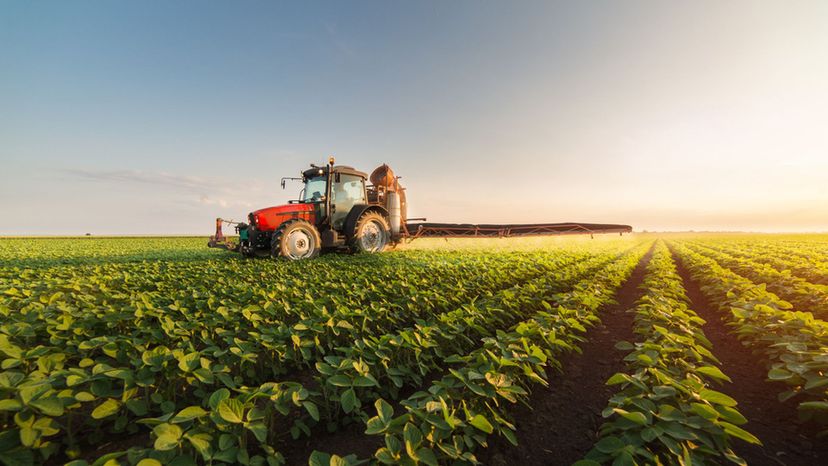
(794, 343)
(403, 287)
(666, 411)
(808, 267)
(49, 252)
(805, 296)
(456, 414)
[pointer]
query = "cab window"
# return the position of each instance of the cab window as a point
(349, 188)
(347, 191)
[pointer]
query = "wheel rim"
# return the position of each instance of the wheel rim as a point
(373, 237)
(300, 244)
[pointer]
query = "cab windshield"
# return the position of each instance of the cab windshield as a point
(315, 189)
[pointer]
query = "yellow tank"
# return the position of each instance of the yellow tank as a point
(385, 181)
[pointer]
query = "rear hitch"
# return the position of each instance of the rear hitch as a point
(220, 241)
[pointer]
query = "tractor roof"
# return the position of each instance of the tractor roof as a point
(313, 172)
(349, 171)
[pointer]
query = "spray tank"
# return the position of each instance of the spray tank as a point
(390, 194)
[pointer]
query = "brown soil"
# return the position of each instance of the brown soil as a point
(346, 441)
(774, 423)
(560, 424)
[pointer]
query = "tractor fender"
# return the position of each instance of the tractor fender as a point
(355, 213)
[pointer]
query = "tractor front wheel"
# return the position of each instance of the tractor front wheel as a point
(295, 240)
(371, 234)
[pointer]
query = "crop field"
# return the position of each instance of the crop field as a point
(643, 349)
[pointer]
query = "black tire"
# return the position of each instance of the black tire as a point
(295, 240)
(246, 251)
(371, 234)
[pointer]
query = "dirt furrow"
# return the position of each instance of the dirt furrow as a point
(560, 424)
(773, 422)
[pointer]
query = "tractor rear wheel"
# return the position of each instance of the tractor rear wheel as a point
(295, 240)
(372, 233)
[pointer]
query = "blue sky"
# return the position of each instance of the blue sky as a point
(156, 117)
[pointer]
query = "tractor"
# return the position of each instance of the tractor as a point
(336, 209)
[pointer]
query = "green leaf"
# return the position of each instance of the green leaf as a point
(231, 410)
(149, 462)
(106, 409)
(649, 434)
(84, 397)
(678, 431)
(202, 443)
(156, 356)
(167, 436)
(109, 459)
(361, 381)
(259, 431)
(635, 416)
(203, 375)
(311, 408)
(51, 406)
(814, 405)
(226, 441)
(137, 406)
(618, 378)
(624, 458)
(339, 381)
(189, 362)
(384, 410)
(609, 444)
(188, 414)
(713, 371)
(718, 398)
(705, 411)
(72, 380)
(739, 433)
(480, 422)
(217, 396)
(412, 437)
(374, 426)
(28, 436)
(779, 374)
(731, 415)
(318, 458)
(816, 383)
(10, 405)
(426, 456)
(348, 399)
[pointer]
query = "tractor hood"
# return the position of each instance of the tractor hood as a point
(270, 218)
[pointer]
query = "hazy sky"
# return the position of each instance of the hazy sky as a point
(156, 117)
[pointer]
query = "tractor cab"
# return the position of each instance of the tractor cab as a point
(334, 191)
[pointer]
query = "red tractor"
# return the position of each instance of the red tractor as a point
(336, 209)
